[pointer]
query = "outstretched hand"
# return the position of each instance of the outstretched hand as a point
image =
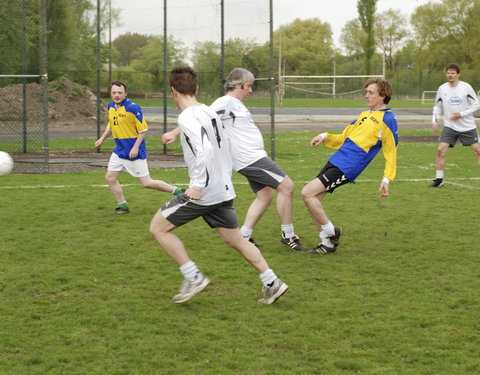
(316, 140)
(384, 190)
(168, 138)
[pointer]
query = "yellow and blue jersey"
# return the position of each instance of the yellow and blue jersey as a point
(361, 141)
(126, 122)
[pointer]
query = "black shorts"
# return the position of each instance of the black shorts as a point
(332, 177)
(181, 210)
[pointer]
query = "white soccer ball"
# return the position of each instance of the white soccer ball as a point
(6, 163)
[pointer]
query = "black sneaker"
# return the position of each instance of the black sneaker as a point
(322, 249)
(336, 237)
(438, 182)
(121, 210)
(294, 243)
(253, 241)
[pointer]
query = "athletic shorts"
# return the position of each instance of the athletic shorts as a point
(181, 210)
(332, 177)
(263, 172)
(451, 136)
(137, 168)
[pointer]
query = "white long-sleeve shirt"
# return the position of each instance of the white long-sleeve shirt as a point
(451, 99)
(206, 151)
(245, 137)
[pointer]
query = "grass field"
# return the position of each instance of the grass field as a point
(86, 292)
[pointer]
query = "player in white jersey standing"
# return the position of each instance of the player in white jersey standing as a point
(250, 159)
(456, 101)
(210, 193)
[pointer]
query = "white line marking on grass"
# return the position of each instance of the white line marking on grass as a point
(449, 181)
(463, 186)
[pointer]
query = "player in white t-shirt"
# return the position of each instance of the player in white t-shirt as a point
(457, 102)
(210, 194)
(250, 159)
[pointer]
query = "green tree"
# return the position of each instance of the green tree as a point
(149, 58)
(245, 53)
(127, 46)
(391, 31)
(366, 14)
(307, 47)
(353, 38)
(447, 31)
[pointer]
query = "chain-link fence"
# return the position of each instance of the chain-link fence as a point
(40, 122)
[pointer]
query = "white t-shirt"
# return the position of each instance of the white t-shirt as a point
(206, 152)
(245, 138)
(460, 98)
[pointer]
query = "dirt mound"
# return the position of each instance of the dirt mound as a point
(68, 102)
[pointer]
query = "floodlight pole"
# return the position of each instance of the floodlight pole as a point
(165, 65)
(43, 68)
(222, 45)
(272, 87)
(98, 70)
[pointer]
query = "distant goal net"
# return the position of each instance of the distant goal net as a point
(335, 86)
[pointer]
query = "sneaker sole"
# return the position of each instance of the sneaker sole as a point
(280, 292)
(202, 286)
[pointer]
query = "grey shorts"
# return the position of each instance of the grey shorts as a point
(181, 210)
(264, 172)
(332, 177)
(451, 136)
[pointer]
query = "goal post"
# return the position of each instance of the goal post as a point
(428, 97)
(316, 86)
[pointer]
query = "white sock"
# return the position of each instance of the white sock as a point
(189, 270)
(268, 277)
(246, 232)
(439, 174)
(324, 237)
(329, 229)
(287, 230)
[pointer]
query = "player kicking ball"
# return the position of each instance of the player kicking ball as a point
(210, 194)
(356, 147)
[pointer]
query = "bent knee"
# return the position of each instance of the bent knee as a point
(286, 186)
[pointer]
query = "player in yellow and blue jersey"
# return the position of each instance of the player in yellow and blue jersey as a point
(128, 127)
(356, 147)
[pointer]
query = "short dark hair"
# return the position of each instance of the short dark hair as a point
(453, 67)
(384, 88)
(184, 80)
(118, 83)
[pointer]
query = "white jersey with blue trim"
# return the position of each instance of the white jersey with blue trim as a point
(245, 137)
(206, 151)
(451, 99)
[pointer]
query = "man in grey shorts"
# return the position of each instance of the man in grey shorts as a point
(456, 101)
(210, 194)
(250, 159)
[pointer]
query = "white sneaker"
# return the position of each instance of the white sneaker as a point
(190, 288)
(274, 292)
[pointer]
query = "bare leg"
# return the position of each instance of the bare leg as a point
(234, 238)
(148, 183)
(476, 151)
(312, 194)
(285, 200)
(161, 228)
(115, 187)
(258, 207)
(441, 156)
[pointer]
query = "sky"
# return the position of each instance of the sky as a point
(199, 20)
